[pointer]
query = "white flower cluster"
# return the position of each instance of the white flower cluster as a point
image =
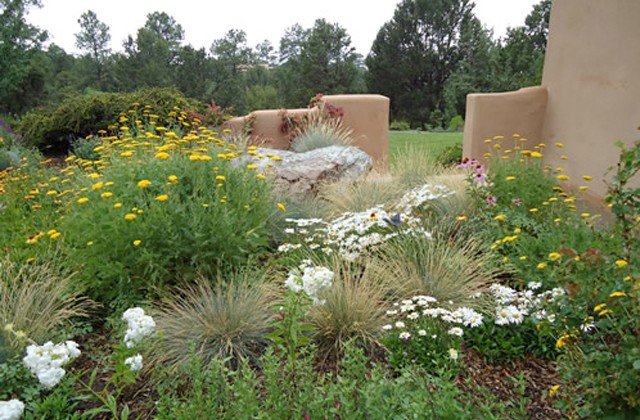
(11, 410)
(139, 326)
(352, 233)
(46, 361)
(420, 306)
(513, 306)
(134, 362)
(314, 281)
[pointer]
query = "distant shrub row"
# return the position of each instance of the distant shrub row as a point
(52, 129)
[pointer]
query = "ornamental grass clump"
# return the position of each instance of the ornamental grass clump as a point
(353, 310)
(35, 301)
(321, 134)
(448, 270)
(230, 319)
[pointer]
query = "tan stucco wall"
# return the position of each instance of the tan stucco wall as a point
(592, 79)
(592, 73)
(503, 114)
(366, 115)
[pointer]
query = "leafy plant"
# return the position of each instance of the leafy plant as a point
(84, 148)
(399, 125)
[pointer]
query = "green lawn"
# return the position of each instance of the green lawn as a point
(433, 143)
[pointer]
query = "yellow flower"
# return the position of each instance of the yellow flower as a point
(144, 183)
(563, 177)
(511, 178)
(55, 235)
(554, 256)
(163, 197)
(276, 158)
(585, 215)
(106, 194)
(500, 217)
(587, 177)
(563, 341)
(488, 141)
(559, 145)
(583, 188)
(52, 192)
(90, 243)
(126, 154)
(599, 307)
(517, 231)
(137, 242)
(221, 178)
(130, 216)
(523, 258)
(97, 186)
(542, 265)
(83, 200)
(617, 294)
(533, 210)
(282, 207)
(117, 205)
(173, 178)
(162, 155)
(536, 155)
(261, 177)
(563, 157)
(621, 263)
(251, 166)
(553, 391)
(605, 312)
(461, 218)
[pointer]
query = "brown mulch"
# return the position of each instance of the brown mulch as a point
(501, 379)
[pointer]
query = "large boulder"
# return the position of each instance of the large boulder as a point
(301, 174)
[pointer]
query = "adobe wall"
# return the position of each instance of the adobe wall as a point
(592, 73)
(366, 115)
(503, 114)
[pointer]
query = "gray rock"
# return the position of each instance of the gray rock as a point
(302, 173)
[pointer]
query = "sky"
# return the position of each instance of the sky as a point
(205, 21)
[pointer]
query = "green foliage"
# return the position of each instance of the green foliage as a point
(318, 59)
(456, 123)
(396, 125)
(600, 337)
(361, 388)
(53, 128)
(451, 155)
(19, 44)
(414, 53)
(18, 381)
(84, 148)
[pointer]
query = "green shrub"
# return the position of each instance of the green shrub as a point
(456, 123)
(451, 155)
(399, 125)
(159, 209)
(52, 129)
(84, 148)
